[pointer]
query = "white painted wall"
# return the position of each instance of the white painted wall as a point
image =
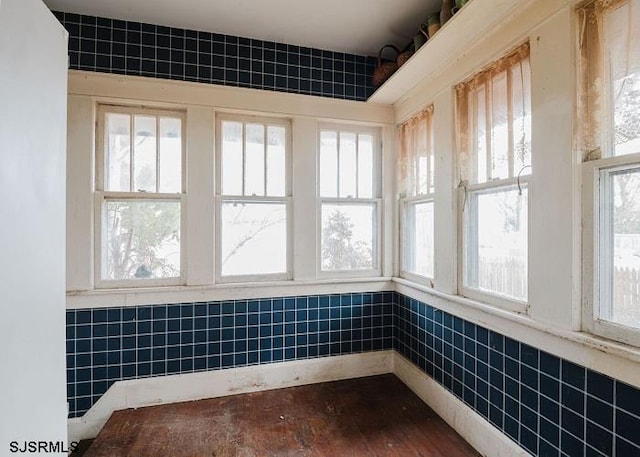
(33, 81)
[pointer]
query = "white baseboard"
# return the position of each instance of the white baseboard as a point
(476, 430)
(137, 393)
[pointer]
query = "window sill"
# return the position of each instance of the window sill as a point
(502, 321)
(98, 298)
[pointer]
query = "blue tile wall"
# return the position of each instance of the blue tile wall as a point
(549, 406)
(105, 345)
(132, 48)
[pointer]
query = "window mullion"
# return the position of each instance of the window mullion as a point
(488, 120)
(132, 136)
(157, 153)
(338, 163)
(415, 165)
(265, 145)
(510, 153)
(244, 158)
(357, 165)
(428, 153)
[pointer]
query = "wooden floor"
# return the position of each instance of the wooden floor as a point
(374, 416)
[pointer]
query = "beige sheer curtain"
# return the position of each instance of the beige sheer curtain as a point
(416, 155)
(493, 119)
(609, 70)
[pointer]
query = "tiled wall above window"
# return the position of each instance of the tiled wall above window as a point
(133, 48)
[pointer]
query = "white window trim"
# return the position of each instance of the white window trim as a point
(404, 273)
(377, 200)
(100, 196)
(592, 237)
(492, 298)
(219, 199)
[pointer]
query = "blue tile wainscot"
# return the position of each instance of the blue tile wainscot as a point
(105, 345)
(549, 406)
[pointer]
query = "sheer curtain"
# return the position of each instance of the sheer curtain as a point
(416, 155)
(609, 69)
(494, 119)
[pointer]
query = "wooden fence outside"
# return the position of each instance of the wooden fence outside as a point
(626, 296)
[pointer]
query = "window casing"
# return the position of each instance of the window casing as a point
(139, 197)
(494, 136)
(349, 201)
(610, 146)
(417, 194)
(253, 203)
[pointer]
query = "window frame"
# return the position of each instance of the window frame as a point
(593, 241)
(375, 200)
(466, 125)
(429, 281)
(102, 196)
(598, 158)
(406, 199)
(220, 198)
(493, 298)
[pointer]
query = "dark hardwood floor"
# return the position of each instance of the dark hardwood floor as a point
(374, 416)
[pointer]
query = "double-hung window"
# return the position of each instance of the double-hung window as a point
(139, 197)
(494, 136)
(610, 145)
(416, 176)
(254, 202)
(349, 190)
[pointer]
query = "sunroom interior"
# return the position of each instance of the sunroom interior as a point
(214, 211)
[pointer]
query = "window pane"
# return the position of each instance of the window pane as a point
(141, 239)
(521, 122)
(622, 35)
(170, 155)
(422, 165)
(624, 305)
(432, 173)
(481, 134)
(276, 166)
(496, 242)
(144, 154)
(254, 160)
(365, 166)
(348, 236)
(328, 164)
(348, 165)
(419, 244)
(499, 128)
(254, 238)
(118, 152)
(232, 158)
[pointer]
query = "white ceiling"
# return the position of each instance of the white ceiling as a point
(353, 26)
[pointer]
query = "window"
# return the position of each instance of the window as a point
(610, 143)
(417, 162)
(349, 200)
(139, 196)
(254, 199)
(494, 133)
